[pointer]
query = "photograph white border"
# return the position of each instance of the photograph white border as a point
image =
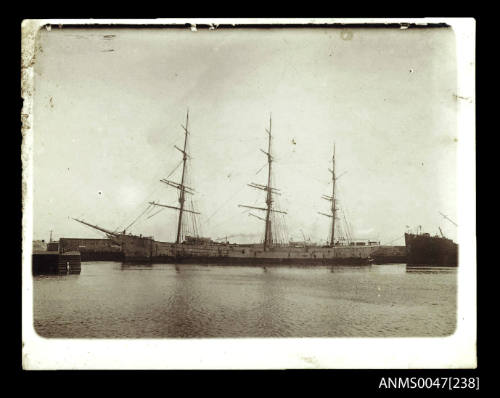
(455, 351)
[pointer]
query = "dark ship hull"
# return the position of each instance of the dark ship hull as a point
(429, 250)
(137, 249)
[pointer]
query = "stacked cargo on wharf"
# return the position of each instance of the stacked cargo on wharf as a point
(271, 250)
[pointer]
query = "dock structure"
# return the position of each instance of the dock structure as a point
(52, 262)
(389, 255)
(91, 249)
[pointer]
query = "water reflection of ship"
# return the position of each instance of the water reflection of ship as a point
(426, 269)
(190, 247)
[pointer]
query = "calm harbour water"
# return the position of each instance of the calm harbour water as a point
(113, 300)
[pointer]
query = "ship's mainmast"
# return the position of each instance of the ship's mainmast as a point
(268, 234)
(183, 189)
(332, 199)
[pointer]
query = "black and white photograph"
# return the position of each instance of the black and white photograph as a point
(219, 189)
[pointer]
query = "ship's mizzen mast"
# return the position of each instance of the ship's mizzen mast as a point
(268, 233)
(334, 208)
(183, 189)
(332, 199)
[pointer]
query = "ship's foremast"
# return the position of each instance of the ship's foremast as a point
(183, 189)
(268, 240)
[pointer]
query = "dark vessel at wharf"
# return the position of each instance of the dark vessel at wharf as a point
(427, 250)
(195, 249)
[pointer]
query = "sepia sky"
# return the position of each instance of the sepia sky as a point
(109, 104)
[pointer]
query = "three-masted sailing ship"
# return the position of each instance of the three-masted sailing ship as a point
(195, 249)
